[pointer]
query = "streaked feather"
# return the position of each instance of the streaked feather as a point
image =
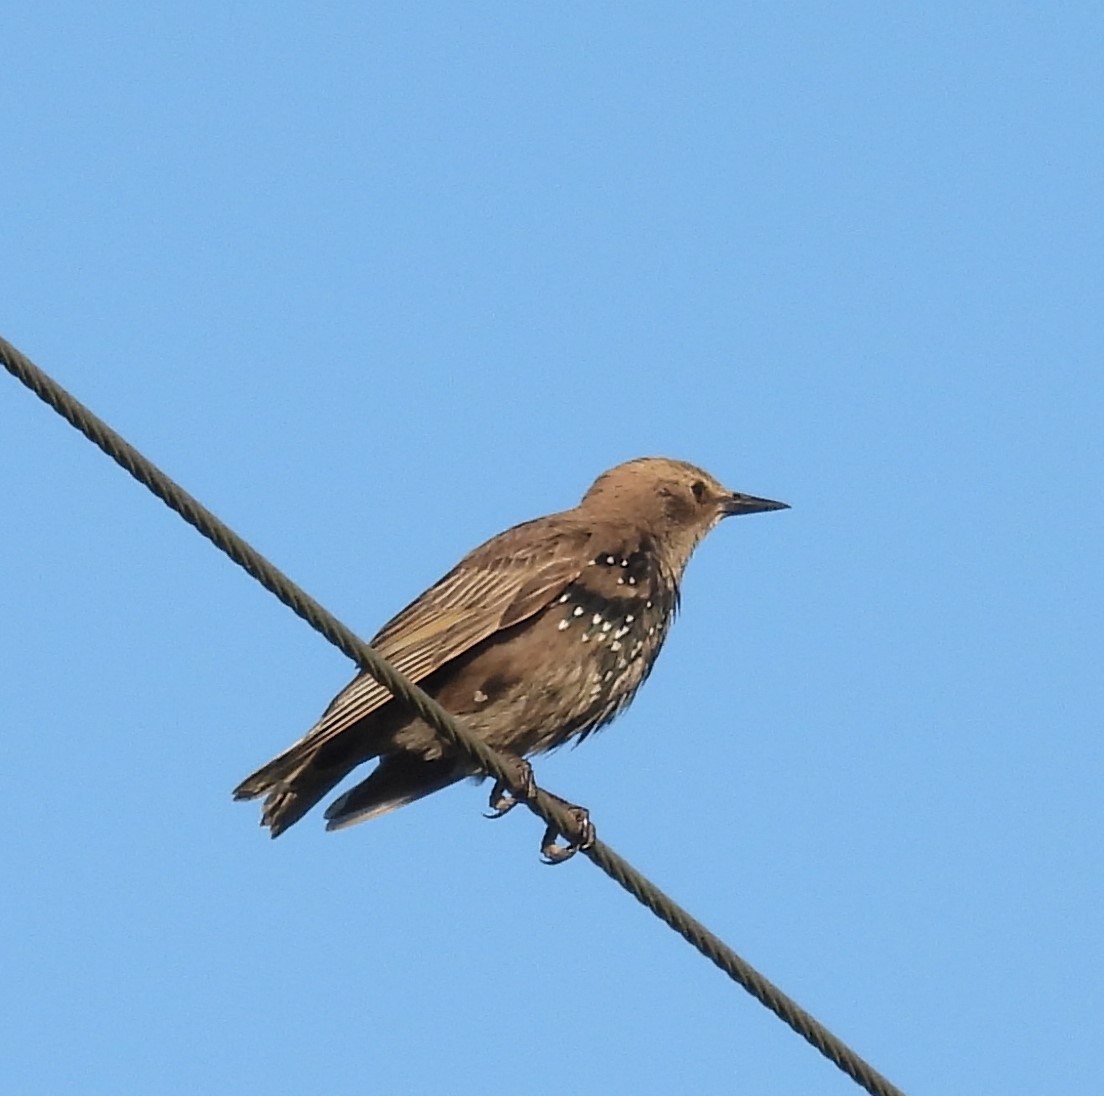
(501, 583)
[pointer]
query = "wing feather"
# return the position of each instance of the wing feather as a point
(500, 584)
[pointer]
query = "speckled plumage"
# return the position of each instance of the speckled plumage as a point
(538, 636)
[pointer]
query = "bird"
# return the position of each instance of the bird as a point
(538, 637)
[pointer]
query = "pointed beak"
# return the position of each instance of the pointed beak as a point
(749, 504)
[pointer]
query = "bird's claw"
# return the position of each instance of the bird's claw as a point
(502, 800)
(583, 837)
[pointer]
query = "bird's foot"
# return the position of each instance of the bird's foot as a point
(502, 800)
(583, 835)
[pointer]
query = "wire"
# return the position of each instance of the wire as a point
(543, 805)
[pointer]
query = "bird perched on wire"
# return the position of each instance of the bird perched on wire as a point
(539, 636)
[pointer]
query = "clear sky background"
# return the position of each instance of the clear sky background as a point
(377, 281)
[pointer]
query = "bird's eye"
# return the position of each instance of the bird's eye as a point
(699, 490)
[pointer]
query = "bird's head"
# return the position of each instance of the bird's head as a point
(675, 502)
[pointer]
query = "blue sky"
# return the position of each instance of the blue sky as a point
(375, 282)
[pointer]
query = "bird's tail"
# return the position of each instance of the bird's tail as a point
(296, 780)
(398, 779)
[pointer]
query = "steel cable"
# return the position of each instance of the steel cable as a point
(304, 606)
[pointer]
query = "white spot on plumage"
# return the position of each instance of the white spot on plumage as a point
(480, 697)
(596, 619)
(609, 559)
(577, 611)
(564, 597)
(615, 645)
(606, 626)
(563, 624)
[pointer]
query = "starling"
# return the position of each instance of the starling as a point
(539, 636)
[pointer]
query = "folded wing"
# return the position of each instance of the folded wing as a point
(500, 584)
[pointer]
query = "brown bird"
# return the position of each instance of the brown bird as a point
(540, 635)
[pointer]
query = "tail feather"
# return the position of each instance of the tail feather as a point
(286, 804)
(297, 779)
(398, 779)
(282, 769)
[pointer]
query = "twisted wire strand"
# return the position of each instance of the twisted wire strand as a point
(346, 641)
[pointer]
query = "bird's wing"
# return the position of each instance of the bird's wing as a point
(503, 582)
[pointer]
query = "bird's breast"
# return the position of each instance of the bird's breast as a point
(609, 626)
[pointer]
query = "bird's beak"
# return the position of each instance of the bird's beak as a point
(749, 504)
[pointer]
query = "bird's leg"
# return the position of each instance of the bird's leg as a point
(583, 837)
(502, 800)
